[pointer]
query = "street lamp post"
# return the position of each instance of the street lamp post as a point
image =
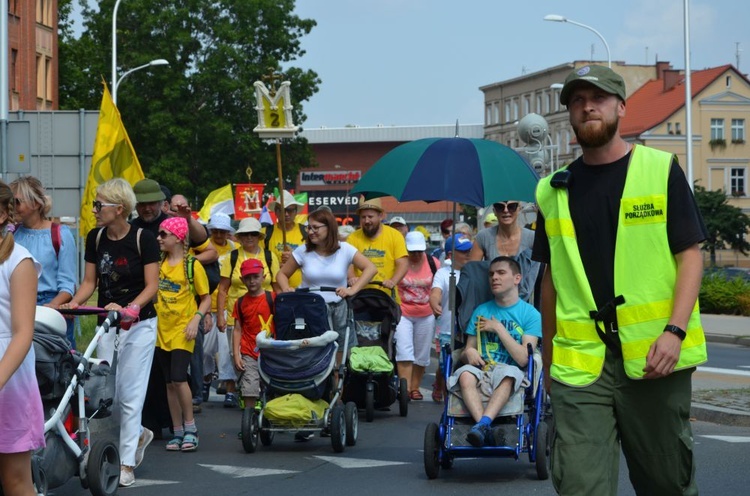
(113, 82)
(559, 18)
(116, 84)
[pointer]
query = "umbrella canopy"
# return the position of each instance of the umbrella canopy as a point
(475, 172)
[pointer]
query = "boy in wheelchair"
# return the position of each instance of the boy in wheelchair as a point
(496, 350)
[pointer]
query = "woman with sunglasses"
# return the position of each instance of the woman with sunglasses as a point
(231, 287)
(509, 239)
(51, 245)
(324, 261)
(122, 264)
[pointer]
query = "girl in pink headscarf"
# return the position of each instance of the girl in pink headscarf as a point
(182, 302)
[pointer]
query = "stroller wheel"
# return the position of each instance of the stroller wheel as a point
(541, 449)
(266, 435)
(403, 398)
(370, 402)
(39, 476)
(432, 451)
(352, 420)
(103, 469)
(338, 429)
(249, 430)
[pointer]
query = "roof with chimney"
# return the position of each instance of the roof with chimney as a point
(659, 99)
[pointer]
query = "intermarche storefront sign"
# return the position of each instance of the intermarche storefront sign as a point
(328, 178)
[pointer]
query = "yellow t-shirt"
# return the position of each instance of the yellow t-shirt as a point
(294, 238)
(175, 304)
(236, 287)
(383, 251)
(221, 250)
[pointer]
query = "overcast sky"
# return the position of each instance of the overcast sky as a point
(421, 62)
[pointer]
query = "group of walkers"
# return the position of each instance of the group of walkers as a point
(621, 326)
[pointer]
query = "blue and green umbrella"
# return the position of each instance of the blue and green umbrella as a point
(475, 172)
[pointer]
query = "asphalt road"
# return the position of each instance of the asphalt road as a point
(387, 459)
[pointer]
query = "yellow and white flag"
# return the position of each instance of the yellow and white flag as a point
(219, 200)
(114, 156)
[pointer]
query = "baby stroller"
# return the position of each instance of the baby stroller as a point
(64, 375)
(300, 393)
(525, 422)
(371, 382)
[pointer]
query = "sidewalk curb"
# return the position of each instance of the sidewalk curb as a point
(713, 337)
(719, 415)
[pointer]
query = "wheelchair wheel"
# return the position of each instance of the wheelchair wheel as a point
(249, 431)
(541, 448)
(370, 402)
(265, 434)
(103, 469)
(403, 398)
(432, 451)
(338, 429)
(352, 420)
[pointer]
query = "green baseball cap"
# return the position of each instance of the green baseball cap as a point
(602, 77)
(147, 191)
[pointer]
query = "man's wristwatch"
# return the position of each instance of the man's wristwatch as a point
(676, 331)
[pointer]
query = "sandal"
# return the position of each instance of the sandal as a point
(437, 394)
(174, 444)
(416, 395)
(189, 442)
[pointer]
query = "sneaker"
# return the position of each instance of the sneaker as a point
(303, 436)
(230, 400)
(206, 392)
(127, 477)
(480, 435)
(143, 441)
(197, 408)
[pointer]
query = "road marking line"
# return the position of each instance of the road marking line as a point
(239, 472)
(357, 462)
(715, 370)
(730, 439)
(151, 482)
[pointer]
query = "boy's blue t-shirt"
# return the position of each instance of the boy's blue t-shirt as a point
(519, 319)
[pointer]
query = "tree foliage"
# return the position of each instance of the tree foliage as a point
(191, 122)
(727, 225)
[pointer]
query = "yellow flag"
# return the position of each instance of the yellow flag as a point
(114, 156)
(219, 200)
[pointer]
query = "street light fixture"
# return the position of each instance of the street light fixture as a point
(131, 71)
(113, 81)
(559, 18)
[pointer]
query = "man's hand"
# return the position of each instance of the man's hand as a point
(662, 356)
(238, 361)
(208, 323)
(389, 284)
(472, 357)
(286, 254)
(492, 324)
(191, 330)
(221, 322)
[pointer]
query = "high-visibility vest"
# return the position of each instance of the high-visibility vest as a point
(645, 274)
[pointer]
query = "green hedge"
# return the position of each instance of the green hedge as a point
(720, 296)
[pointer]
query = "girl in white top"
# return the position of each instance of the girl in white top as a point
(324, 261)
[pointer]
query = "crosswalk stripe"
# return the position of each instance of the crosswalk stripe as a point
(357, 462)
(730, 439)
(715, 370)
(239, 472)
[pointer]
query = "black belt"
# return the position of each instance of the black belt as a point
(608, 316)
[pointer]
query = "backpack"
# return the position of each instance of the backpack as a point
(213, 273)
(433, 267)
(234, 255)
(269, 233)
(269, 301)
(137, 239)
(56, 238)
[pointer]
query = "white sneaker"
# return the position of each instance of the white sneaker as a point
(127, 477)
(143, 441)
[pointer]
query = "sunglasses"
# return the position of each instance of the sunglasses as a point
(163, 234)
(253, 234)
(18, 201)
(313, 228)
(511, 207)
(99, 205)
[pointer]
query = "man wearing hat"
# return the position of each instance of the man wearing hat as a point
(620, 231)
(383, 245)
(399, 224)
(286, 224)
(457, 248)
(150, 198)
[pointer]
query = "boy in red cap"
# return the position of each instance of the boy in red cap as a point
(253, 313)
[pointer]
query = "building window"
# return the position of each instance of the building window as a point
(515, 110)
(548, 107)
(556, 97)
(526, 105)
(669, 128)
(717, 129)
(506, 117)
(44, 12)
(729, 81)
(488, 115)
(738, 130)
(677, 128)
(566, 141)
(48, 82)
(538, 108)
(495, 113)
(12, 76)
(737, 181)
